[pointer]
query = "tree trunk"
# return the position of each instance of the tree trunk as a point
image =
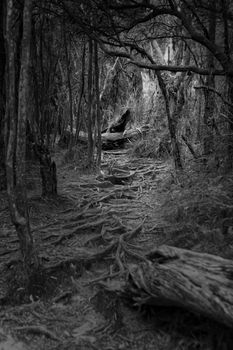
(98, 115)
(170, 105)
(90, 105)
(209, 96)
(79, 119)
(200, 283)
(171, 124)
(48, 170)
(16, 147)
(69, 88)
(230, 138)
(2, 99)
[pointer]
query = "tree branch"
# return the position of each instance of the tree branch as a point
(204, 87)
(153, 66)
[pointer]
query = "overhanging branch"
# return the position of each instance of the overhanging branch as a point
(156, 67)
(204, 87)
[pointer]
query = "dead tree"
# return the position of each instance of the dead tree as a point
(198, 282)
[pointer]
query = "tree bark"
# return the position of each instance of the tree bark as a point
(171, 124)
(98, 115)
(2, 99)
(69, 87)
(79, 119)
(16, 147)
(209, 96)
(170, 105)
(200, 283)
(48, 170)
(90, 104)
(230, 139)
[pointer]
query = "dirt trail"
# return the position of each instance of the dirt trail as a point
(73, 235)
(98, 224)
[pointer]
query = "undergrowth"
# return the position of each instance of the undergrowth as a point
(152, 146)
(198, 207)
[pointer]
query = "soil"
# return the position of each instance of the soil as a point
(65, 306)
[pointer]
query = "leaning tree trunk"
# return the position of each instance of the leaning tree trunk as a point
(16, 147)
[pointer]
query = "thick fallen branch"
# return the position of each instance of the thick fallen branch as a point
(201, 283)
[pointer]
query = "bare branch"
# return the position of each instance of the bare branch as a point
(156, 67)
(216, 92)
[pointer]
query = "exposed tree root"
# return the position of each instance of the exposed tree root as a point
(39, 330)
(201, 283)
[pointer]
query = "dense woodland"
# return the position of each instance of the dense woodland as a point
(110, 106)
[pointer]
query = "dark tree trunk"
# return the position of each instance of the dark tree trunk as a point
(16, 147)
(79, 119)
(69, 88)
(171, 106)
(98, 115)
(90, 105)
(230, 138)
(209, 95)
(48, 170)
(171, 125)
(2, 98)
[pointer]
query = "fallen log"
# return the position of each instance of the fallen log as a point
(200, 283)
(118, 140)
(112, 140)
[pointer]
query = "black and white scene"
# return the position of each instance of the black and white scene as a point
(116, 175)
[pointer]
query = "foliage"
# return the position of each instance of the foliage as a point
(152, 146)
(198, 207)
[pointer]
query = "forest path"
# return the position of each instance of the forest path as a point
(86, 237)
(124, 196)
(97, 224)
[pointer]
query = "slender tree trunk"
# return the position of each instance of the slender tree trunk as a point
(171, 124)
(108, 75)
(90, 104)
(209, 96)
(37, 123)
(69, 88)
(230, 139)
(227, 39)
(170, 105)
(42, 78)
(98, 115)
(16, 148)
(35, 80)
(79, 120)
(2, 98)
